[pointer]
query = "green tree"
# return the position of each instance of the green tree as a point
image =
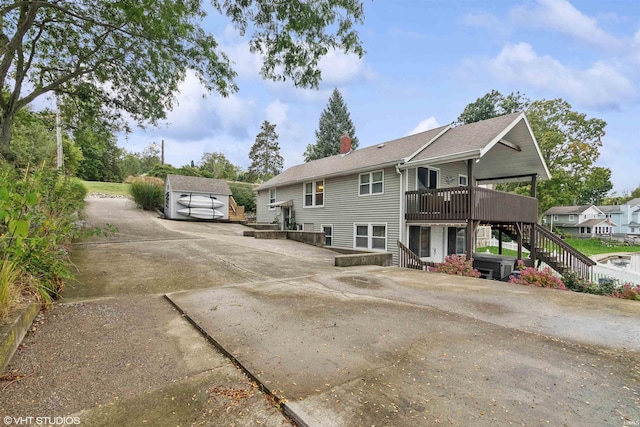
(216, 165)
(162, 170)
(491, 105)
(334, 121)
(149, 158)
(570, 144)
(595, 186)
(266, 160)
(133, 55)
(244, 195)
(131, 165)
(94, 134)
(35, 142)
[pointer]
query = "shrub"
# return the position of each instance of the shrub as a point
(628, 291)
(607, 286)
(148, 192)
(9, 288)
(38, 214)
(545, 278)
(458, 265)
(574, 282)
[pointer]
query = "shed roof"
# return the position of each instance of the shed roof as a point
(198, 184)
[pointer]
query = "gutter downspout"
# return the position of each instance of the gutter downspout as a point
(401, 222)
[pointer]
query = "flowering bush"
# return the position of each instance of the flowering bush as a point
(542, 278)
(458, 265)
(628, 291)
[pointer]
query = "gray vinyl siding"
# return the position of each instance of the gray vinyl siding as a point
(344, 207)
(446, 169)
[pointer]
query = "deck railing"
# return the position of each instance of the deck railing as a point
(469, 203)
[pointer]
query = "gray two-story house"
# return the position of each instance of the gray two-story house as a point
(595, 221)
(427, 190)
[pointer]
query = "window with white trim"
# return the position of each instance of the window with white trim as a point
(272, 197)
(463, 180)
(328, 234)
(371, 183)
(571, 218)
(370, 236)
(314, 193)
(555, 217)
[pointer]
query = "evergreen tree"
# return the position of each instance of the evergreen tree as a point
(334, 121)
(266, 160)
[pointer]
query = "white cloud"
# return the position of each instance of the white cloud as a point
(339, 68)
(601, 85)
(233, 110)
(276, 112)
(563, 17)
(486, 21)
(189, 101)
(425, 125)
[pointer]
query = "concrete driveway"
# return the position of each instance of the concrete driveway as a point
(338, 347)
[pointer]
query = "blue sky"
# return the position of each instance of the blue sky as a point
(425, 61)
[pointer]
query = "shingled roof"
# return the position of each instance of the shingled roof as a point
(473, 141)
(388, 153)
(198, 184)
(568, 210)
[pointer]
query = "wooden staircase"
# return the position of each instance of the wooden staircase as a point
(236, 213)
(408, 259)
(548, 247)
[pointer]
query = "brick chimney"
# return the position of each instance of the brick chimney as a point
(345, 143)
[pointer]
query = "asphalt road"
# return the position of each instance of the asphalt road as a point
(344, 347)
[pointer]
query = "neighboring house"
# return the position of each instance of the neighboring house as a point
(578, 220)
(594, 221)
(631, 214)
(421, 190)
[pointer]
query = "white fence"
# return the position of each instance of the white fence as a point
(506, 245)
(603, 271)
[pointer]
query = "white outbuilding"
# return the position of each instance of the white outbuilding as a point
(195, 198)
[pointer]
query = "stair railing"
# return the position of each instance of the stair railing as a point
(550, 246)
(408, 259)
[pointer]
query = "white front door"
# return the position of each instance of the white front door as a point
(428, 242)
(437, 244)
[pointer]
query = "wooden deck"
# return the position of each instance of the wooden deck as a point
(469, 204)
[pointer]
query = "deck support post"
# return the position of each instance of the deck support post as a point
(519, 230)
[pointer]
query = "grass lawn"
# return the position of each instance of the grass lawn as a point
(593, 246)
(586, 246)
(114, 188)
